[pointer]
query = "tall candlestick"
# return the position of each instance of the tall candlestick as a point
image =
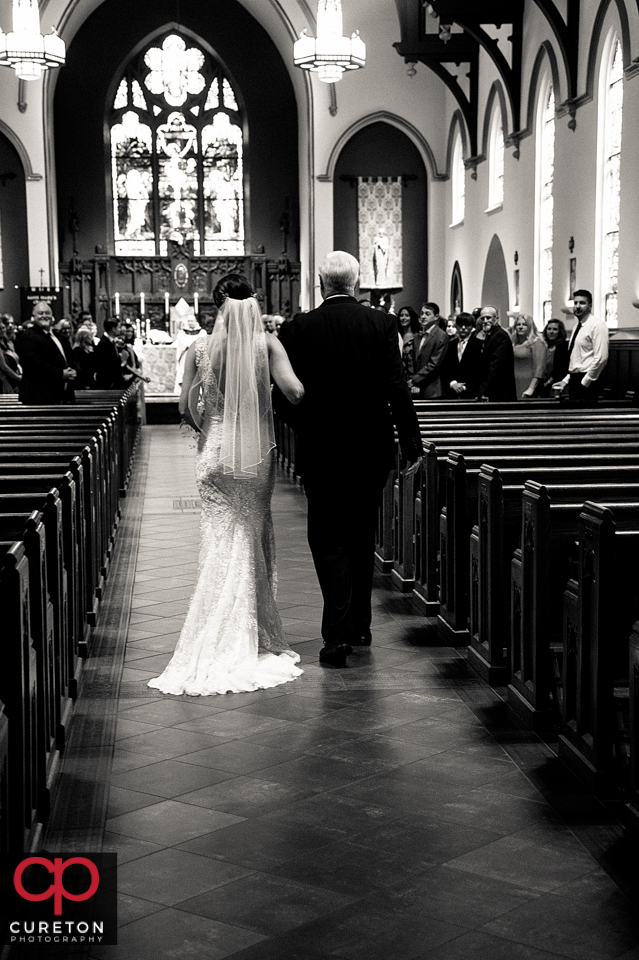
(148, 329)
(166, 304)
(117, 304)
(138, 329)
(141, 304)
(196, 303)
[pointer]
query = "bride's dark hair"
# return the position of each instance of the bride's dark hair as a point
(233, 285)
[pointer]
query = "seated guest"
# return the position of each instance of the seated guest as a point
(10, 369)
(497, 364)
(84, 359)
(460, 372)
(557, 354)
(529, 351)
(48, 373)
(408, 328)
(108, 367)
(429, 350)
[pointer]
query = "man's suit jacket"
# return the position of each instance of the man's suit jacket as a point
(42, 366)
(465, 370)
(346, 356)
(108, 368)
(497, 367)
(429, 358)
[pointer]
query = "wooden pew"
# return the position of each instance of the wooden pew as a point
(65, 484)
(417, 504)
(18, 690)
(5, 822)
(30, 530)
(608, 605)
(466, 489)
(497, 537)
(540, 570)
(633, 726)
(65, 667)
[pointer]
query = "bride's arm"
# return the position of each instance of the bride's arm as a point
(190, 369)
(282, 371)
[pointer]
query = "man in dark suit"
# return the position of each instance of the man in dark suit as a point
(347, 357)
(497, 366)
(108, 366)
(460, 373)
(47, 370)
(430, 352)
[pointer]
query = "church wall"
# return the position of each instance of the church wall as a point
(100, 47)
(13, 218)
(574, 188)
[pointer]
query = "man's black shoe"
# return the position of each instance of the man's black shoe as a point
(335, 656)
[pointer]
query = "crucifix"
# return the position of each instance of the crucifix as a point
(41, 278)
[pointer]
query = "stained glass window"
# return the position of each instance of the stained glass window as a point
(612, 104)
(545, 176)
(458, 181)
(176, 153)
(496, 161)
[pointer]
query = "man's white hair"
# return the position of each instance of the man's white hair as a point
(339, 272)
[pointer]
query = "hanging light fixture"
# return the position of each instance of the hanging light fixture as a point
(25, 48)
(331, 53)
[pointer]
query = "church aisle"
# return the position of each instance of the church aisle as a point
(392, 810)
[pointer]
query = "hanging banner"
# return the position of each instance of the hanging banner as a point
(379, 216)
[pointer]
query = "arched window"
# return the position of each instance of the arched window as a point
(609, 183)
(176, 153)
(544, 203)
(496, 160)
(458, 181)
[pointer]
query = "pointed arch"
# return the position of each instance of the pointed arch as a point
(494, 289)
(384, 116)
(496, 92)
(595, 50)
(457, 123)
(21, 150)
(456, 289)
(545, 51)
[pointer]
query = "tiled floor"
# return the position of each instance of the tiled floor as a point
(390, 810)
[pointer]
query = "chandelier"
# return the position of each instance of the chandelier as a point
(331, 53)
(25, 48)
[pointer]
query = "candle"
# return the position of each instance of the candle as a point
(148, 329)
(138, 329)
(166, 304)
(117, 304)
(141, 304)
(196, 300)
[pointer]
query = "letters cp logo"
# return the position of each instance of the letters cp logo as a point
(57, 890)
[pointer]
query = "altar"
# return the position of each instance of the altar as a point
(159, 363)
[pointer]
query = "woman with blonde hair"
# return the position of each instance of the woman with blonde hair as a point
(530, 357)
(84, 359)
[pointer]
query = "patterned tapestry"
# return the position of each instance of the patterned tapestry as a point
(379, 208)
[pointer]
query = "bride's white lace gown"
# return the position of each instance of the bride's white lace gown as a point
(232, 638)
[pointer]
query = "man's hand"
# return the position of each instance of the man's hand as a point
(458, 387)
(414, 391)
(69, 373)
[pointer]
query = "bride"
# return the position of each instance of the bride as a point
(232, 637)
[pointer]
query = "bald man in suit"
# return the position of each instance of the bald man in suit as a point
(48, 373)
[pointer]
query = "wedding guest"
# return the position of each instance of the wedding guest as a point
(10, 370)
(408, 328)
(557, 354)
(430, 350)
(84, 359)
(529, 351)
